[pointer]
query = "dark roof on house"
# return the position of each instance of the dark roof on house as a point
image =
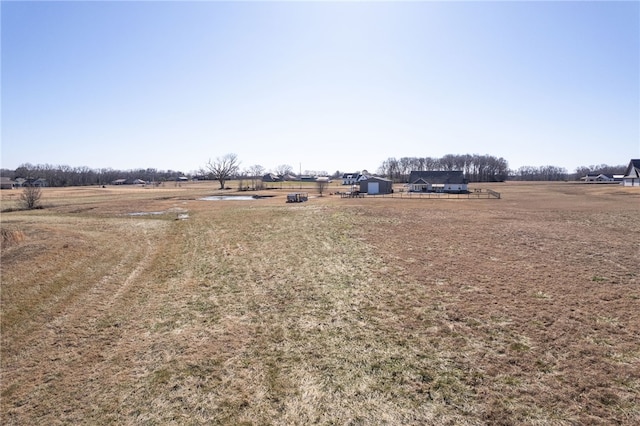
(438, 177)
(270, 177)
(599, 175)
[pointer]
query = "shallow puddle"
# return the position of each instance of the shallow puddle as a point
(144, 213)
(231, 198)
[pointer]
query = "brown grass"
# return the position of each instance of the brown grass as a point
(11, 236)
(337, 311)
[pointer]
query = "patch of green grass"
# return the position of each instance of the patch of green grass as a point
(9, 391)
(518, 347)
(160, 377)
(511, 380)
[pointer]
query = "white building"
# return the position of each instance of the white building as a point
(632, 174)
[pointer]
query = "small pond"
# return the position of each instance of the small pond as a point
(232, 197)
(144, 213)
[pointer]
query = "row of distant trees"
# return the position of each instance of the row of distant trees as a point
(543, 173)
(487, 168)
(601, 168)
(82, 176)
(220, 169)
(477, 168)
(549, 173)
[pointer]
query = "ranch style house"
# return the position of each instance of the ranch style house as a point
(438, 181)
(601, 177)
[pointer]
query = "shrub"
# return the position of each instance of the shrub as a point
(30, 197)
(12, 236)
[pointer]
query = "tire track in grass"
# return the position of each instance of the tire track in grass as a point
(58, 353)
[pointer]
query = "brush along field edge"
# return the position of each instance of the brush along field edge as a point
(267, 314)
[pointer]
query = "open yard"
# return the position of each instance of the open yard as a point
(522, 310)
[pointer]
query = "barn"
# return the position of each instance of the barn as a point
(376, 185)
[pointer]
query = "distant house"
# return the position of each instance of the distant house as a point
(597, 177)
(438, 181)
(352, 178)
(6, 183)
(128, 182)
(376, 185)
(632, 174)
(308, 178)
(21, 182)
(271, 177)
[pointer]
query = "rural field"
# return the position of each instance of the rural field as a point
(125, 305)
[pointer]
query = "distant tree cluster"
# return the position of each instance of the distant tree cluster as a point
(600, 169)
(476, 168)
(542, 173)
(554, 173)
(82, 176)
(254, 175)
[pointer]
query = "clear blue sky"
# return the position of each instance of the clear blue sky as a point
(325, 85)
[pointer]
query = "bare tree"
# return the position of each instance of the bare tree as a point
(223, 168)
(283, 170)
(30, 197)
(321, 185)
(256, 172)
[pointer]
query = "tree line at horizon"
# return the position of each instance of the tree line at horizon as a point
(487, 168)
(476, 168)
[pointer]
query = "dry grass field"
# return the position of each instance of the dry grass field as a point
(522, 310)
